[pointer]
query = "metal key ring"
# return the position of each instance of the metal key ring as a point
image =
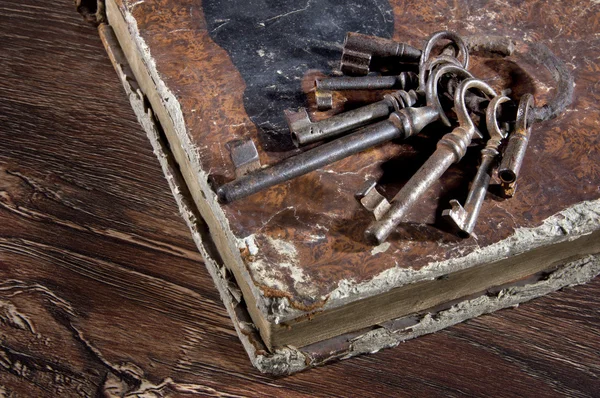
(447, 35)
(432, 63)
(432, 87)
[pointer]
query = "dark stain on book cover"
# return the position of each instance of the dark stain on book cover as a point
(274, 43)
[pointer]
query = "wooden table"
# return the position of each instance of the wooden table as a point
(102, 292)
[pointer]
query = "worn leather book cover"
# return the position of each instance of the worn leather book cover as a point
(300, 282)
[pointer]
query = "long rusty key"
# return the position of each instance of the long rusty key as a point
(304, 131)
(450, 149)
(400, 125)
(368, 196)
(464, 218)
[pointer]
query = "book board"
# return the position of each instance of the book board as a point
(579, 220)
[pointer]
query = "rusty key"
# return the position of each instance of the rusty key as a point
(324, 87)
(450, 149)
(304, 131)
(464, 218)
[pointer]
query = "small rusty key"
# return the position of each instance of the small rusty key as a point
(512, 159)
(324, 87)
(450, 149)
(359, 50)
(464, 218)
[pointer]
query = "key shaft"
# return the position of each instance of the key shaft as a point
(465, 218)
(304, 131)
(513, 156)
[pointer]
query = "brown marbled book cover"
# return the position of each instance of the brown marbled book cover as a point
(220, 70)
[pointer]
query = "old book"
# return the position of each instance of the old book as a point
(301, 284)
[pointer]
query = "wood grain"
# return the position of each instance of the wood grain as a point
(102, 292)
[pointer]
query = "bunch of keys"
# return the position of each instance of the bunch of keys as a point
(410, 101)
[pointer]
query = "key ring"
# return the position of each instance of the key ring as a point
(444, 34)
(431, 91)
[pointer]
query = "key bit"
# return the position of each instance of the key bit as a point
(465, 218)
(324, 87)
(297, 120)
(371, 200)
(244, 156)
(514, 153)
(450, 149)
(355, 63)
(359, 50)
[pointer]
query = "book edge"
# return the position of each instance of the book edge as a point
(567, 225)
(228, 290)
(290, 360)
(168, 114)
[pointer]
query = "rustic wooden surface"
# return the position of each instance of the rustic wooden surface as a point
(102, 293)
